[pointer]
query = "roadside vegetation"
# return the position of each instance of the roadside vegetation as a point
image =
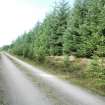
(66, 31)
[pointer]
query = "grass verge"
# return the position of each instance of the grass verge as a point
(74, 72)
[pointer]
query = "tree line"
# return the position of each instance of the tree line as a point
(77, 30)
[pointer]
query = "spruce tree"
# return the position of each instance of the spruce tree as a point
(59, 25)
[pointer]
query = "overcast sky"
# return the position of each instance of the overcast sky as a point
(18, 16)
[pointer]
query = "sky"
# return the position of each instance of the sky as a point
(19, 16)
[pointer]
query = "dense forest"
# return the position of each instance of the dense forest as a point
(77, 30)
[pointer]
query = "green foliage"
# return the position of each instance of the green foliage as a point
(64, 31)
(96, 69)
(59, 25)
(66, 61)
(5, 48)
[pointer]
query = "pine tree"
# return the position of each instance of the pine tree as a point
(59, 25)
(72, 37)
